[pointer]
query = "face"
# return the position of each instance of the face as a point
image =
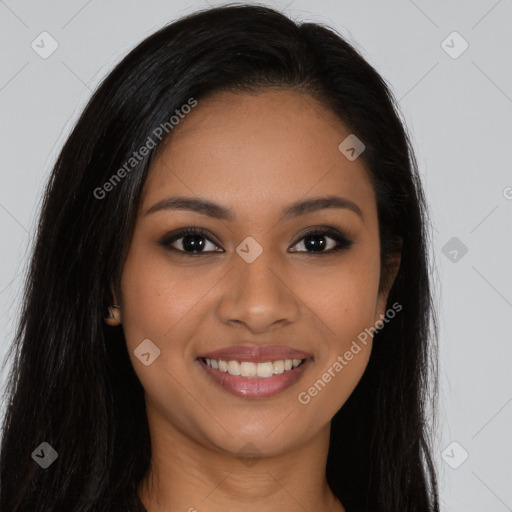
(255, 284)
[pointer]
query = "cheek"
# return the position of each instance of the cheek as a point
(345, 302)
(157, 299)
(327, 391)
(162, 305)
(344, 299)
(158, 306)
(344, 352)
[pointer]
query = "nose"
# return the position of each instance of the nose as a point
(258, 295)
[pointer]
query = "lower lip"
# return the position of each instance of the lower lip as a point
(248, 387)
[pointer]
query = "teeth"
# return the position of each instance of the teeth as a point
(265, 370)
(234, 367)
(247, 369)
(278, 367)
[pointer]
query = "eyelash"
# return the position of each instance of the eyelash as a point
(343, 242)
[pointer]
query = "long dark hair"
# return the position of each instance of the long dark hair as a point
(72, 384)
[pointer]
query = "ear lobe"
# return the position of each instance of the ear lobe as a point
(389, 275)
(114, 316)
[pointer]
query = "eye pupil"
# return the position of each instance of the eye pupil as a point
(314, 242)
(193, 242)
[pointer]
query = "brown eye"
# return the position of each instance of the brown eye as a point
(324, 241)
(192, 241)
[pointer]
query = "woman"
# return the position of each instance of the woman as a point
(228, 305)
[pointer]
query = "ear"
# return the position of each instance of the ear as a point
(114, 313)
(388, 278)
(114, 316)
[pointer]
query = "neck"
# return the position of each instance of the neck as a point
(187, 475)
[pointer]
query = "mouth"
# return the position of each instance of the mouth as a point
(255, 372)
(249, 369)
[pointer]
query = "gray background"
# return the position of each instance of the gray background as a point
(458, 111)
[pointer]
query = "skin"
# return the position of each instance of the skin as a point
(255, 154)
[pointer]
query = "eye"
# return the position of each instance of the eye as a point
(323, 241)
(193, 241)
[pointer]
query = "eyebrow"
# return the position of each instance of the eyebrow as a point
(217, 211)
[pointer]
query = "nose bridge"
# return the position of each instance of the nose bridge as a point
(257, 294)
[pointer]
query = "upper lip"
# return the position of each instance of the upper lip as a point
(255, 354)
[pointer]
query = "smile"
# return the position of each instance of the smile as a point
(263, 370)
(254, 380)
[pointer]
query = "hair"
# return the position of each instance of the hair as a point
(72, 384)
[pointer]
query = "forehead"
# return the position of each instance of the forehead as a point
(248, 149)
